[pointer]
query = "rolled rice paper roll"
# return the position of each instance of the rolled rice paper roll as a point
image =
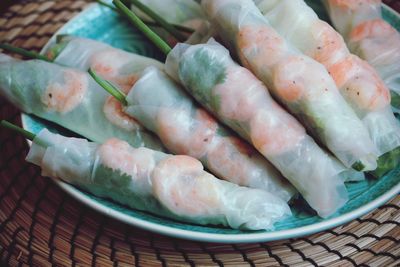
(369, 36)
(185, 128)
(357, 81)
(71, 99)
(300, 83)
(176, 187)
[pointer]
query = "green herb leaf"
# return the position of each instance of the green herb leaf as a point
(395, 102)
(201, 73)
(387, 162)
(358, 166)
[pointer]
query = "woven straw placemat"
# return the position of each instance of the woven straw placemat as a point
(40, 225)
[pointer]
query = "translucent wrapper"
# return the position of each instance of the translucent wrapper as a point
(72, 99)
(300, 83)
(357, 81)
(202, 34)
(243, 103)
(179, 12)
(125, 69)
(116, 65)
(163, 107)
(370, 37)
(172, 186)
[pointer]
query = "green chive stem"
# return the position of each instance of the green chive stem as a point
(109, 87)
(23, 52)
(17, 129)
(149, 22)
(135, 20)
(166, 25)
(107, 5)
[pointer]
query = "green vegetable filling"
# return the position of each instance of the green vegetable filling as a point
(387, 162)
(201, 73)
(395, 99)
(358, 166)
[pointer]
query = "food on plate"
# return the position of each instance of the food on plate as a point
(162, 106)
(357, 81)
(172, 186)
(116, 65)
(72, 99)
(242, 102)
(370, 37)
(227, 157)
(300, 83)
(186, 13)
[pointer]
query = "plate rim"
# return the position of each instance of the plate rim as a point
(203, 236)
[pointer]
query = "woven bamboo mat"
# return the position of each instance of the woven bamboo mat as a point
(40, 225)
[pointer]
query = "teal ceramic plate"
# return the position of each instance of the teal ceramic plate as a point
(102, 24)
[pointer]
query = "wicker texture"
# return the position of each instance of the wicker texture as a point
(40, 225)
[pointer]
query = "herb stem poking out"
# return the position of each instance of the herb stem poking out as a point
(166, 25)
(149, 22)
(17, 129)
(109, 87)
(23, 52)
(135, 20)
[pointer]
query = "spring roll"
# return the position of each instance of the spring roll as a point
(178, 12)
(252, 171)
(71, 99)
(243, 103)
(163, 107)
(370, 37)
(357, 81)
(176, 187)
(300, 83)
(115, 65)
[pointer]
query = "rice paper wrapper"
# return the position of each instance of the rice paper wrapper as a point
(71, 99)
(116, 65)
(357, 81)
(172, 186)
(163, 107)
(301, 84)
(239, 100)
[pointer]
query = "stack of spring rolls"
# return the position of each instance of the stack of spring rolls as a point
(298, 114)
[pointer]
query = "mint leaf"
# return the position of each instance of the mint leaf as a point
(387, 162)
(395, 102)
(200, 73)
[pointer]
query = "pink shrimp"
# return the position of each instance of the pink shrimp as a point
(289, 79)
(330, 46)
(377, 41)
(186, 135)
(113, 111)
(301, 78)
(118, 155)
(262, 44)
(240, 94)
(64, 97)
(108, 64)
(181, 184)
(359, 81)
(371, 29)
(232, 156)
(353, 4)
(274, 132)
